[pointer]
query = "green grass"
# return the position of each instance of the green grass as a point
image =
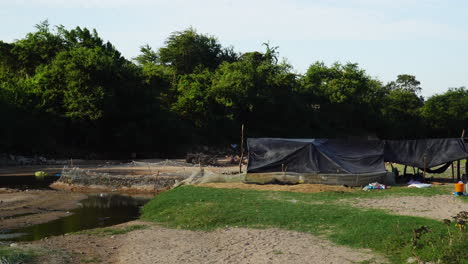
(325, 214)
(111, 231)
(10, 255)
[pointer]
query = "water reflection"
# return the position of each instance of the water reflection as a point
(95, 211)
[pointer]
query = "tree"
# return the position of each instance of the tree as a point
(186, 50)
(193, 102)
(257, 91)
(401, 114)
(147, 56)
(349, 99)
(405, 82)
(447, 114)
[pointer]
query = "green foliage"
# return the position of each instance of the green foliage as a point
(325, 214)
(63, 90)
(147, 55)
(401, 111)
(349, 99)
(186, 50)
(256, 90)
(447, 113)
(405, 82)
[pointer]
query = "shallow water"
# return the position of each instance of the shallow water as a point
(95, 211)
(27, 182)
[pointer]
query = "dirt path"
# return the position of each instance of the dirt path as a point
(23, 208)
(233, 245)
(157, 244)
(436, 207)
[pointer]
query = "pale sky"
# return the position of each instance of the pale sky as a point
(425, 38)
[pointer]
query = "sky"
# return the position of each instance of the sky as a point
(425, 38)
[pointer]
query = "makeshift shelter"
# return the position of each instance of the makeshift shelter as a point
(339, 161)
(327, 161)
(425, 153)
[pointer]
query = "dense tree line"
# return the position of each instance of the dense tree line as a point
(67, 90)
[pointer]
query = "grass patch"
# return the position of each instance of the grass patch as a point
(9, 255)
(111, 231)
(199, 208)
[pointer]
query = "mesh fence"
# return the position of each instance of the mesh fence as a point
(156, 174)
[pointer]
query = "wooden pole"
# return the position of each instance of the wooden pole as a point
(424, 174)
(463, 133)
(458, 171)
(453, 173)
(404, 170)
(466, 169)
(241, 149)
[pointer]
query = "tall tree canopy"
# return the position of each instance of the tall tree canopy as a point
(186, 50)
(65, 90)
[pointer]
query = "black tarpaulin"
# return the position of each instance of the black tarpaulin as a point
(435, 151)
(315, 155)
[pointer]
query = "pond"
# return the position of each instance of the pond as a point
(98, 210)
(95, 211)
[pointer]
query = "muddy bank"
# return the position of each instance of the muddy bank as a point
(23, 208)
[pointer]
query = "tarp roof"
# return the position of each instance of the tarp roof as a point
(315, 155)
(348, 156)
(436, 151)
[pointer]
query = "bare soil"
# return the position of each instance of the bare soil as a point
(436, 207)
(230, 245)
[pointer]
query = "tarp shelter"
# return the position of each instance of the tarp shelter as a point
(339, 161)
(315, 155)
(433, 152)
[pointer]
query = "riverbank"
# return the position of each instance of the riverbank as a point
(197, 224)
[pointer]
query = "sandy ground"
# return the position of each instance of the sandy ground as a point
(303, 188)
(231, 245)
(23, 208)
(437, 207)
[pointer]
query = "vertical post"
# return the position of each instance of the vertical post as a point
(453, 173)
(404, 170)
(458, 171)
(241, 149)
(424, 173)
(466, 169)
